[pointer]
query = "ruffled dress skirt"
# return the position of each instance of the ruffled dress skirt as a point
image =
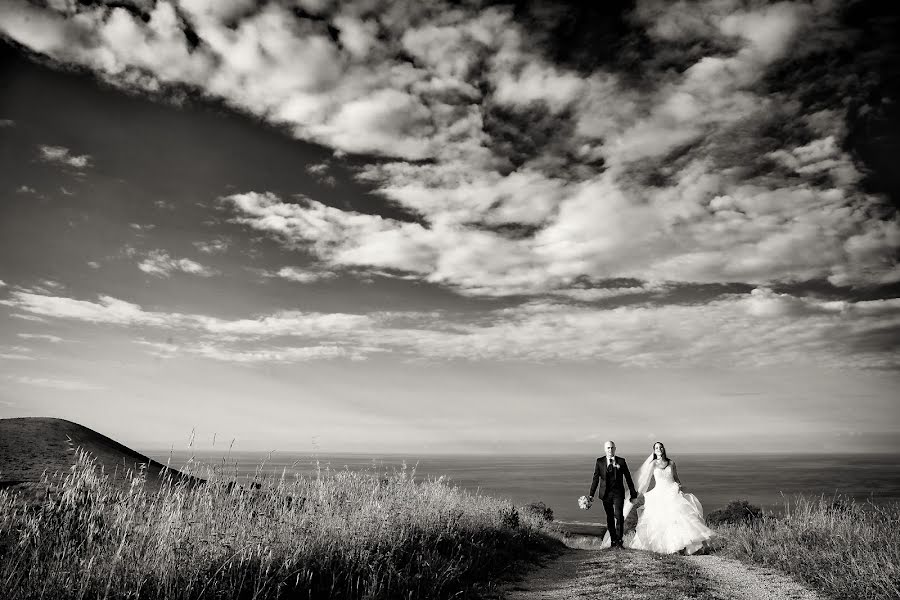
(670, 521)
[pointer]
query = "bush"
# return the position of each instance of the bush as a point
(509, 517)
(738, 512)
(540, 510)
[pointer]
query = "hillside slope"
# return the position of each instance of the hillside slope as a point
(31, 445)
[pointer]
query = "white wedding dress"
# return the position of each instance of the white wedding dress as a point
(670, 520)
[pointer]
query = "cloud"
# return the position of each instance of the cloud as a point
(24, 189)
(270, 355)
(337, 236)
(320, 172)
(40, 336)
(216, 246)
(228, 352)
(301, 275)
(142, 228)
(7, 123)
(63, 156)
(536, 82)
(734, 331)
(588, 294)
(715, 156)
(160, 264)
(56, 384)
(756, 329)
(107, 310)
(113, 311)
(15, 356)
(32, 318)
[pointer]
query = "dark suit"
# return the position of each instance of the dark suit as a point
(614, 475)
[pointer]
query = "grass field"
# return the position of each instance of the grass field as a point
(849, 550)
(333, 535)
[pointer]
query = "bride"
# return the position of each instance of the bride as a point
(670, 520)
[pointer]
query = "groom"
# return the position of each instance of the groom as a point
(612, 469)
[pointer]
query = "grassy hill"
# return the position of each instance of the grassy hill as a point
(31, 445)
(333, 534)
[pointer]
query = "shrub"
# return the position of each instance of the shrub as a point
(738, 512)
(509, 517)
(540, 510)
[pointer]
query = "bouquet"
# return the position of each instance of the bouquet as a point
(584, 503)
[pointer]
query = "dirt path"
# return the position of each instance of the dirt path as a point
(634, 575)
(747, 582)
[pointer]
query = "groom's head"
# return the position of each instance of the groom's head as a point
(610, 448)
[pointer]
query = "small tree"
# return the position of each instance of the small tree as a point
(738, 512)
(540, 510)
(509, 517)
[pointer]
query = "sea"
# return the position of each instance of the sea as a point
(765, 480)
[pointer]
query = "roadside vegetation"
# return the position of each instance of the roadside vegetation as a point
(846, 549)
(336, 534)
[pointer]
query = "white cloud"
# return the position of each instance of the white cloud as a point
(301, 275)
(536, 82)
(337, 236)
(761, 328)
(63, 156)
(112, 311)
(159, 263)
(216, 246)
(24, 189)
(703, 229)
(422, 82)
(107, 310)
(7, 123)
(15, 356)
(23, 317)
(57, 384)
(40, 336)
(594, 294)
(270, 355)
(819, 156)
(226, 351)
(740, 331)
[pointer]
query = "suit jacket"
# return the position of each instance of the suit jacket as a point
(613, 481)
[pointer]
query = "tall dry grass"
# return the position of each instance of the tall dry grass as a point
(849, 550)
(331, 535)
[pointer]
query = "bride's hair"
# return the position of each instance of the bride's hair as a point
(663, 453)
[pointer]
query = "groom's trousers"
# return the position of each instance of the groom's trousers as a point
(614, 505)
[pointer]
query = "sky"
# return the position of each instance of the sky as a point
(428, 227)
